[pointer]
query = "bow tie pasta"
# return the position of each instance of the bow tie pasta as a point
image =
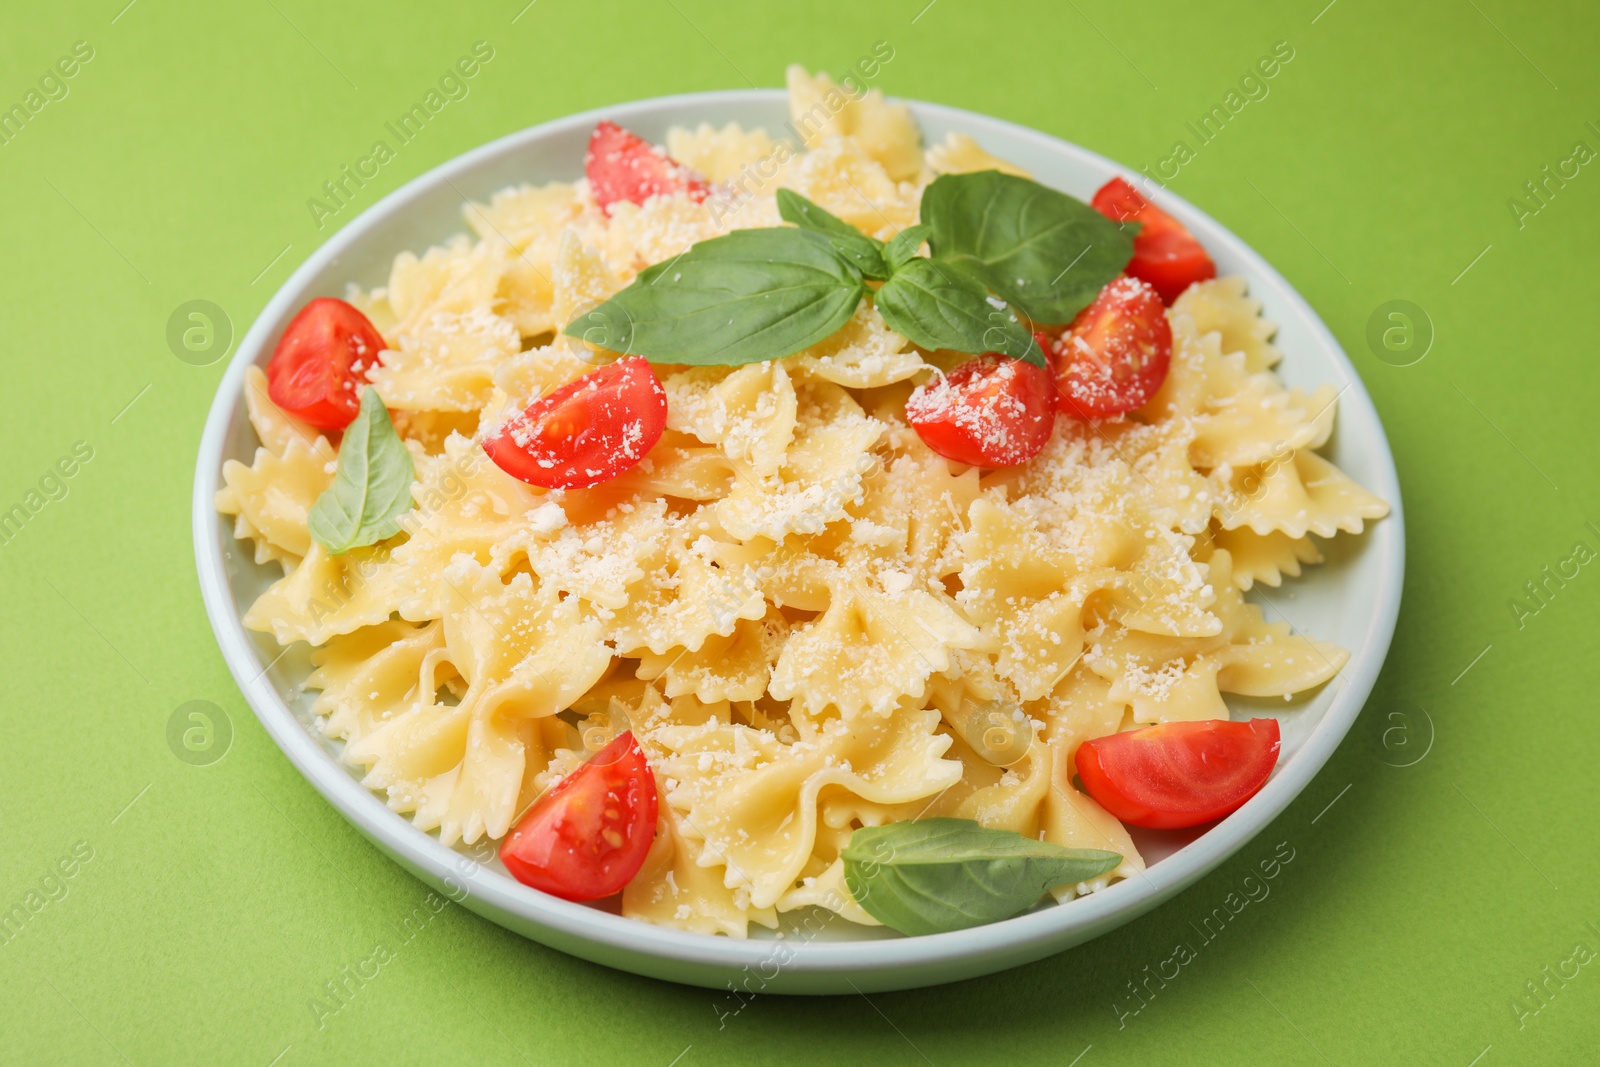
(810, 621)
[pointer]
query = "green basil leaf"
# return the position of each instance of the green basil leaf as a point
(935, 875)
(865, 252)
(904, 245)
(1044, 251)
(938, 305)
(372, 487)
(748, 296)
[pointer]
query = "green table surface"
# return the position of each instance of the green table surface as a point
(1441, 904)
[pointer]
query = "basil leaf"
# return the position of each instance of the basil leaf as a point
(1044, 251)
(747, 296)
(904, 245)
(935, 875)
(865, 252)
(938, 305)
(372, 487)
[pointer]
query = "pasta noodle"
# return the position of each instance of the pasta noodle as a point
(810, 621)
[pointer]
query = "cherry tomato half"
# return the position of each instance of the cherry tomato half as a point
(1165, 253)
(1179, 773)
(624, 166)
(1115, 354)
(992, 411)
(587, 837)
(587, 431)
(321, 362)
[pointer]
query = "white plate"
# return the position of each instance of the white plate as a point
(1352, 599)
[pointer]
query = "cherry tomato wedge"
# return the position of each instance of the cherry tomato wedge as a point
(585, 432)
(992, 411)
(624, 166)
(587, 837)
(1165, 254)
(1115, 354)
(1179, 773)
(321, 362)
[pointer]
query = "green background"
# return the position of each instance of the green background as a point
(1444, 857)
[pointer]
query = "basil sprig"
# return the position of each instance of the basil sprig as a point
(1045, 252)
(935, 875)
(1002, 250)
(372, 487)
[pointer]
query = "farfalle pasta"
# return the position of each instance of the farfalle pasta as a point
(810, 620)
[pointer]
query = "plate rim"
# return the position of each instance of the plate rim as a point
(1029, 936)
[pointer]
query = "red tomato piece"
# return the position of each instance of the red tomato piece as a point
(624, 166)
(1165, 253)
(1179, 773)
(585, 432)
(992, 411)
(1116, 353)
(321, 362)
(587, 837)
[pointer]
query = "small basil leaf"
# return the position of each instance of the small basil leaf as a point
(1044, 251)
(938, 305)
(936, 875)
(904, 245)
(748, 296)
(372, 487)
(865, 252)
